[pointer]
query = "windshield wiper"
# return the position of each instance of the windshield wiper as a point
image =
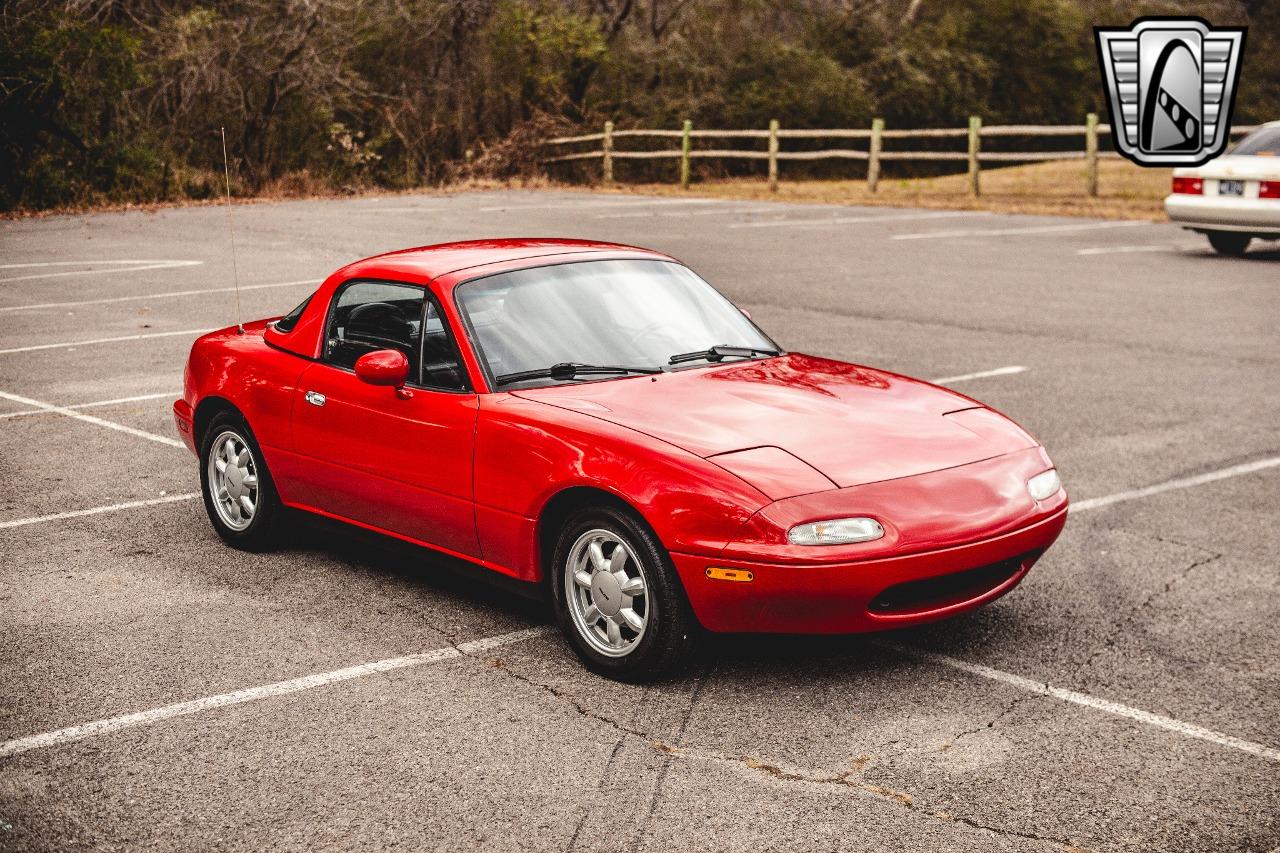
(720, 351)
(570, 370)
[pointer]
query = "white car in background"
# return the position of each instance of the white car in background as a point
(1236, 197)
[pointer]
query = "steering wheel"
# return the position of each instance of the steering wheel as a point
(379, 319)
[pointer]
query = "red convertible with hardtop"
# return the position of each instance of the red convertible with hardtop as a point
(597, 419)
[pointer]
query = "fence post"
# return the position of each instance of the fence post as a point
(1091, 153)
(606, 159)
(773, 155)
(975, 135)
(873, 156)
(684, 154)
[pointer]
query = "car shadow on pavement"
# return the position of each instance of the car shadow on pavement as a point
(417, 567)
(763, 655)
(868, 652)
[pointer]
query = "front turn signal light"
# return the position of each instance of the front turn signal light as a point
(716, 573)
(837, 531)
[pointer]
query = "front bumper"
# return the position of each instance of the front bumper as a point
(1260, 217)
(868, 595)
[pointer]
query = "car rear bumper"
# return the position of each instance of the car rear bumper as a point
(1225, 213)
(869, 595)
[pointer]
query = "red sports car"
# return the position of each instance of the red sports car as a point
(599, 419)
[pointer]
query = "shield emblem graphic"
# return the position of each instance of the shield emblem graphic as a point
(1171, 84)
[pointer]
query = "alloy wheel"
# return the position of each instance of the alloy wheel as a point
(607, 592)
(233, 480)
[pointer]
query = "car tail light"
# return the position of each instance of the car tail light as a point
(1269, 189)
(1188, 186)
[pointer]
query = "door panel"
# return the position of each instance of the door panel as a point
(400, 465)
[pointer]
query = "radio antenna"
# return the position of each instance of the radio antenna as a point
(231, 227)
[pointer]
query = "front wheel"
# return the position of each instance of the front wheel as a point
(239, 495)
(1229, 242)
(618, 599)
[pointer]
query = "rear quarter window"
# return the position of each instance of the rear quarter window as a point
(288, 321)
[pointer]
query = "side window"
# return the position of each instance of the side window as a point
(441, 366)
(374, 315)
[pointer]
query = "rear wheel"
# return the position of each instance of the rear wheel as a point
(1228, 242)
(618, 599)
(239, 495)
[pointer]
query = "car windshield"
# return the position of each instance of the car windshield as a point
(620, 313)
(1263, 142)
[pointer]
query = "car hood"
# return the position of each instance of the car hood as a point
(853, 424)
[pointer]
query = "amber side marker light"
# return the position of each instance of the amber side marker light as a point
(738, 575)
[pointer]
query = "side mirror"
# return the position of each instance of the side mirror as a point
(745, 313)
(387, 367)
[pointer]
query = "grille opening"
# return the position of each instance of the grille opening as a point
(945, 590)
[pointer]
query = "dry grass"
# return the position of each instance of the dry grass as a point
(1125, 191)
(1054, 189)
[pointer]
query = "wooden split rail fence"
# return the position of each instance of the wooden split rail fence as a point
(875, 154)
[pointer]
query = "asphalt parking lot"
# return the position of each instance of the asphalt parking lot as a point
(1125, 697)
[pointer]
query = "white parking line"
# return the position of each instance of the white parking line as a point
(265, 691)
(90, 419)
(1078, 506)
(585, 204)
(74, 344)
(1030, 229)
(1180, 483)
(1124, 250)
(93, 405)
(98, 510)
(125, 266)
(964, 377)
(982, 374)
(1105, 705)
(852, 220)
(650, 214)
(41, 408)
(168, 295)
(90, 729)
(30, 265)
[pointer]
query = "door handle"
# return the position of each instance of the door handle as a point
(315, 398)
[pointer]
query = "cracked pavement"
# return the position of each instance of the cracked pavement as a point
(1141, 367)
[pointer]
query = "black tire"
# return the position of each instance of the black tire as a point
(670, 629)
(263, 529)
(1229, 242)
